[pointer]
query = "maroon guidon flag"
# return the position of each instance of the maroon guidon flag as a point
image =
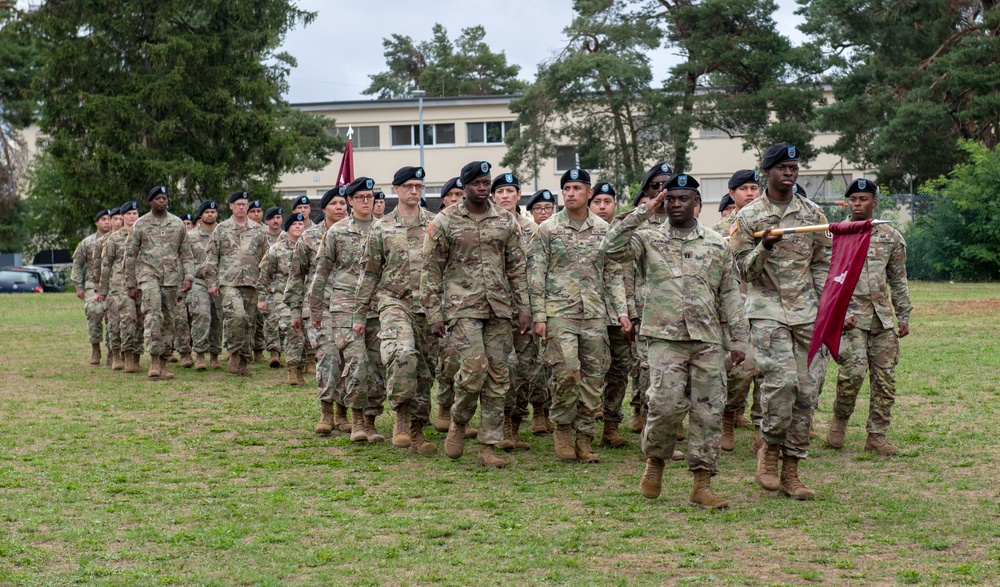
(850, 246)
(346, 173)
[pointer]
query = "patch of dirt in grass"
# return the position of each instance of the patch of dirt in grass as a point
(958, 307)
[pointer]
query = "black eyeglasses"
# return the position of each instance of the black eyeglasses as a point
(656, 185)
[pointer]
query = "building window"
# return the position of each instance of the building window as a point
(566, 158)
(434, 134)
(365, 137)
(490, 133)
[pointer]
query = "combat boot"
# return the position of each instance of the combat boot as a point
(186, 361)
(728, 442)
(702, 493)
(340, 421)
(244, 368)
(443, 419)
(298, 375)
(325, 425)
(275, 361)
(258, 356)
(310, 364)
(95, 354)
(539, 423)
(584, 453)
(677, 456)
(789, 484)
(418, 443)
(199, 362)
(293, 374)
(878, 443)
(132, 362)
(639, 420)
(767, 466)
(679, 433)
(515, 426)
(487, 457)
(508, 433)
(358, 433)
(171, 358)
(233, 364)
(214, 361)
(154, 367)
(611, 437)
(470, 432)
(742, 422)
(370, 431)
(835, 435)
(165, 373)
(757, 442)
(562, 438)
(652, 478)
(454, 442)
(117, 362)
(401, 428)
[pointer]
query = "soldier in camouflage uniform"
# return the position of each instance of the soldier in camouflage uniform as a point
(157, 261)
(111, 318)
(86, 267)
(182, 319)
(114, 294)
(391, 264)
(232, 267)
(356, 371)
(303, 206)
(272, 324)
(274, 269)
(474, 277)
(569, 281)
(541, 206)
(869, 342)
(256, 214)
(204, 309)
(692, 298)
(785, 275)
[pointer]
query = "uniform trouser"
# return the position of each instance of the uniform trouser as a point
(875, 351)
(94, 311)
(293, 340)
(311, 335)
(639, 373)
(327, 361)
(528, 377)
(739, 381)
(354, 376)
(789, 387)
(272, 326)
(239, 311)
(445, 375)
(158, 304)
(375, 368)
(685, 378)
(206, 320)
(578, 352)
(405, 346)
(616, 382)
(182, 327)
(478, 350)
(113, 319)
(258, 331)
(129, 320)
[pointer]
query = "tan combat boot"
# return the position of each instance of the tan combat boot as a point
(165, 373)
(702, 493)
(171, 358)
(401, 428)
(878, 443)
(442, 422)
(275, 360)
(835, 435)
(789, 484)
(611, 437)
(214, 361)
(728, 442)
(757, 442)
(470, 432)
(677, 456)
(454, 442)
(639, 420)
(325, 425)
(508, 433)
(742, 422)
(370, 431)
(310, 364)
(258, 356)
(340, 421)
(244, 368)
(117, 361)
(293, 374)
(131, 362)
(584, 453)
(186, 361)
(562, 438)
(680, 431)
(358, 433)
(199, 362)
(233, 364)
(95, 354)
(652, 478)
(515, 426)
(767, 466)
(298, 375)
(154, 367)
(487, 457)
(539, 423)
(418, 443)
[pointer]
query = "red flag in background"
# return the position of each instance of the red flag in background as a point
(850, 246)
(346, 173)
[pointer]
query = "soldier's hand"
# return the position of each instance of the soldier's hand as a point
(437, 329)
(737, 357)
(655, 204)
(80, 294)
(904, 329)
(769, 239)
(98, 297)
(186, 286)
(262, 306)
(524, 321)
(850, 323)
(627, 329)
(132, 293)
(359, 329)
(540, 330)
(317, 324)
(297, 324)
(213, 291)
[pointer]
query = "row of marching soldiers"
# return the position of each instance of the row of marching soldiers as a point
(508, 314)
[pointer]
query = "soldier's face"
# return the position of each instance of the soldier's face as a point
(295, 229)
(257, 214)
(506, 197)
(729, 210)
(862, 205)
(680, 206)
(745, 194)
(130, 217)
(378, 208)
(575, 195)
(453, 196)
(542, 211)
(409, 192)
(478, 190)
(116, 222)
(159, 203)
(361, 204)
(209, 216)
(604, 206)
(782, 177)
(103, 223)
(275, 222)
(336, 210)
(658, 183)
(188, 224)
(239, 208)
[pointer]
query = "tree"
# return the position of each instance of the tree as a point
(466, 67)
(910, 79)
(183, 94)
(18, 61)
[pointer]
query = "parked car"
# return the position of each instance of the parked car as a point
(29, 279)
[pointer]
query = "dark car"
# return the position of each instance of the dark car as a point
(29, 279)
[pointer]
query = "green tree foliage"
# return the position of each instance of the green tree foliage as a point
(440, 67)
(180, 93)
(910, 79)
(959, 236)
(18, 60)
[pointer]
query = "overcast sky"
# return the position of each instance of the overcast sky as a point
(343, 46)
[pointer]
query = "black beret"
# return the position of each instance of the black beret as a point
(407, 173)
(575, 174)
(798, 189)
(115, 212)
(128, 206)
(209, 205)
(360, 184)
(779, 153)
(295, 217)
(186, 216)
(337, 192)
(505, 179)
(744, 176)
(603, 188)
(300, 201)
(272, 212)
(726, 202)
(451, 184)
(254, 204)
(638, 196)
(160, 189)
(682, 181)
(658, 169)
(102, 213)
(473, 170)
(861, 185)
(237, 196)
(380, 195)
(539, 197)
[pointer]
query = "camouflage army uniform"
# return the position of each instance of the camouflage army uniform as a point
(784, 286)
(692, 299)
(392, 263)
(274, 268)
(119, 306)
(354, 359)
(635, 281)
(86, 268)
(233, 264)
(474, 280)
(205, 310)
(873, 344)
(529, 382)
(569, 280)
(300, 275)
(272, 323)
(621, 365)
(157, 261)
(182, 326)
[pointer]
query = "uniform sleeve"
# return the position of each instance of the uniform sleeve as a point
(820, 265)
(731, 302)
(614, 288)
(516, 267)
(212, 258)
(620, 243)
(98, 252)
(295, 287)
(435, 255)
(187, 257)
(896, 276)
(79, 265)
(268, 265)
(107, 262)
(371, 274)
(326, 259)
(538, 266)
(628, 278)
(751, 256)
(132, 245)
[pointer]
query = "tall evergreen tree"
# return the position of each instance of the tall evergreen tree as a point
(18, 61)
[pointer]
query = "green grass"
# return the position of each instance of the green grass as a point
(108, 479)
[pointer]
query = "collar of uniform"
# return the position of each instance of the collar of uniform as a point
(491, 209)
(400, 221)
(697, 232)
(352, 223)
(794, 205)
(564, 219)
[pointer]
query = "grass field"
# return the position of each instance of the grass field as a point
(111, 479)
